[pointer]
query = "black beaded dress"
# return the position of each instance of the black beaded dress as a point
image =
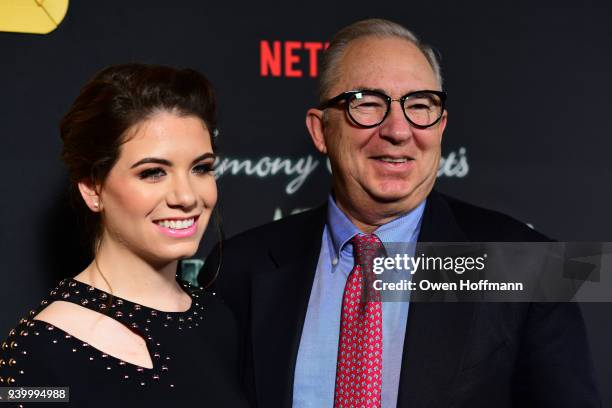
(195, 355)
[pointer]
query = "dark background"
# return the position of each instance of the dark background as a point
(529, 111)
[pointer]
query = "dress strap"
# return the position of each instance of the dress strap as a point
(135, 316)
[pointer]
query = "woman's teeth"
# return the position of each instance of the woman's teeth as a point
(179, 224)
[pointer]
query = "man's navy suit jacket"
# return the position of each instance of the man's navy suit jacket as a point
(455, 354)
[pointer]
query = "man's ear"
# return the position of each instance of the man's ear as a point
(315, 125)
(90, 195)
(442, 124)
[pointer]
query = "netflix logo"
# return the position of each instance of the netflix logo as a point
(290, 59)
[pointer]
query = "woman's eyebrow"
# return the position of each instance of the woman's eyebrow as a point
(168, 163)
(152, 160)
(204, 156)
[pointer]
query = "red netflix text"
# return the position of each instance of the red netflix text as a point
(291, 59)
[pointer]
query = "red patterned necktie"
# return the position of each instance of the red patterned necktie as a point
(359, 370)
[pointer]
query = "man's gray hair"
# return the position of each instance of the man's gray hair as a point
(376, 27)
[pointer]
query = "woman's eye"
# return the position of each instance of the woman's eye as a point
(152, 174)
(203, 168)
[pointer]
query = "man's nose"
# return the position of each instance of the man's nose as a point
(395, 127)
(182, 193)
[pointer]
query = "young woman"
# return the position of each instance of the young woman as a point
(139, 147)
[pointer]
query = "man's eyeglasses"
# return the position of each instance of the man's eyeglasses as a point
(370, 108)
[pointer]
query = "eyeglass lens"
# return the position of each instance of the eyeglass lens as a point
(370, 109)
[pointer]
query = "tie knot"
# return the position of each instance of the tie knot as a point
(365, 248)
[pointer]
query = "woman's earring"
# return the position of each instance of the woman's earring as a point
(96, 205)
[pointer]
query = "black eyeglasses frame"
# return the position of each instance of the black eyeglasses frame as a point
(344, 96)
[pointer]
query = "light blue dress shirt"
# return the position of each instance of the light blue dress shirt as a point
(315, 371)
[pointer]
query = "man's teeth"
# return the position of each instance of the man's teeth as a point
(392, 160)
(181, 224)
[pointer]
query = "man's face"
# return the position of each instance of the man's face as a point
(394, 163)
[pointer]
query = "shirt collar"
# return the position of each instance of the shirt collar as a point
(402, 229)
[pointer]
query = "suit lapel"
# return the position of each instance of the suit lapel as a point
(436, 333)
(280, 295)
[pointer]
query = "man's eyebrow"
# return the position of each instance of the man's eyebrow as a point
(365, 88)
(168, 163)
(382, 91)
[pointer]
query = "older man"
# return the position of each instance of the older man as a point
(292, 283)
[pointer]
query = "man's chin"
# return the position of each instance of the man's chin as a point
(398, 194)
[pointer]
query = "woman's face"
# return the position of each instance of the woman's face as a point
(158, 197)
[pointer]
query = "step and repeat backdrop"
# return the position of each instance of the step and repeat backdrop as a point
(529, 130)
